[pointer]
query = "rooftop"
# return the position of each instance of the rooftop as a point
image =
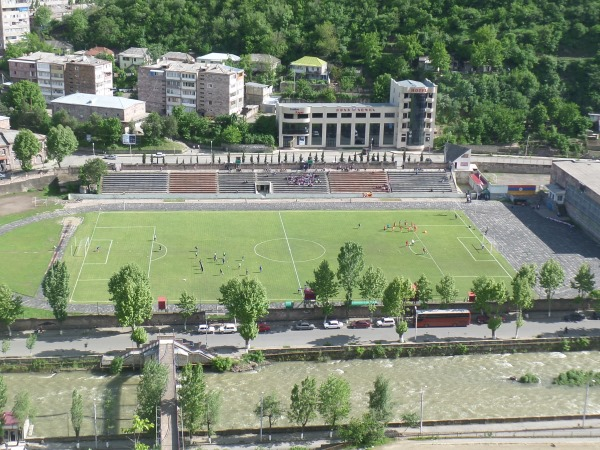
(335, 105)
(264, 58)
(46, 57)
(311, 61)
(219, 57)
(139, 52)
(418, 84)
(100, 101)
(587, 172)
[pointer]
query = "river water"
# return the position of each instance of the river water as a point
(454, 387)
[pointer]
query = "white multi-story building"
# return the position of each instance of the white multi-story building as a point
(15, 21)
(208, 89)
(406, 122)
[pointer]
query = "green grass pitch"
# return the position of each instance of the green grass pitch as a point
(288, 245)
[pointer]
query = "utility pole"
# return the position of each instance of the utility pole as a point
(262, 397)
(95, 425)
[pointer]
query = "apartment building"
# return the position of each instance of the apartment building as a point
(58, 76)
(406, 122)
(82, 106)
(15, 21)
(207, 89)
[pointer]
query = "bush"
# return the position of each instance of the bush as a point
(364, 432)
(116, 365)
(255, 356)
(461, 349)
(360, 351)
(575, 377)
(529, 378)
(38, 365)
(222, 363)
(379, 351)
(582, 343)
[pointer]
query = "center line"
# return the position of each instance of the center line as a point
(290, 249)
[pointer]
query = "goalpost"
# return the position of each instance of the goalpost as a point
(82, 247)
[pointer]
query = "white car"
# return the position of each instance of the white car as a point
(228, 328)
(159, 154)
(385, 322)
(206, 329)
(333, 324)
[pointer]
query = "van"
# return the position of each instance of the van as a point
(228, 328)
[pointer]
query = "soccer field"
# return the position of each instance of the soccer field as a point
(281, 249)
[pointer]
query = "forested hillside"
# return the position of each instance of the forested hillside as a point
(540, 56)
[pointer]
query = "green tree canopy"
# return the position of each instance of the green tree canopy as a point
(11, 306)
(61, 142)
(350, 265)
(271, 408)
(187, 307)
(26, 146)
(92, 171)
(334, 400)
(551, 277)
(129, 290)
(76, 411)
(380, 402)
(24, 94)
(152, 386)
(325, 287)
(245, 299)
(584, 280)
(304, 403)
(192, 397)
(55, 287)
(446, 288)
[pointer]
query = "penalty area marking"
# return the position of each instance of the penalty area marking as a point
(110, 241)
(165, 254)
(469, 251)
(289, 239)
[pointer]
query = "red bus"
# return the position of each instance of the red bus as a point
(442, 318)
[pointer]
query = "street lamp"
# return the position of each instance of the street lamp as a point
(422, 398)
(211, 153)
(93, 149)
(262, 398)
(585, 403)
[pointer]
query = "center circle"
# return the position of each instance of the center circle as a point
(304, 249)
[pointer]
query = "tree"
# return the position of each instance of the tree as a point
(350, 265)
(152, 386)
(271, 408)
(192, 397)
(138, 427)
(325, 287)
(153, 128)
(55, 287)
(109, 131)
(245, 299)
(446, 289)
(584, 281)
(26, 146)
(371, 286)
(334, 401)
(92, 172)
(231, 135)
(3, 393)
(42, 17)
(439, 57)
(11, 307)
(129, 289)
(381, 88)
(61, 142)
(76, 411)
(522, 298)
(380, 404)
(304, 403)
(212, 412)
(364, 433)
(490, 295)
(139, 336)
(30, 342)
(23, 408)
(551, 277)
(423, 291)
(187, 307)
(395, 299)
(24, 94)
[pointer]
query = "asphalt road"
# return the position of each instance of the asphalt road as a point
(81, 342)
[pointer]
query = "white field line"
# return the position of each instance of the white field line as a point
(162, 256)
(469, 251)
(496, 259)
(84, 258)
(110, 242)
(290, 249)
(151, 250)
(428, 252)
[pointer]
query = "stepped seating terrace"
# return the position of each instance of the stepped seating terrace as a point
(359, 181)
(423, 181)
(237, 182)
(135, 183)
(297, 182)
(193, 182)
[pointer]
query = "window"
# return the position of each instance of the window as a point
(317, 115)
(288, 116)
(390, 114)
(375, 115)
(332, 115)
(406, 105)
(346, 115)
(405, 116)
(302, 116)
(406, 95)
(361, 115)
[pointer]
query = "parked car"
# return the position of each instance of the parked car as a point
(595, 315)
(303, 325)
(574, 317)
(386, 322)
(263, 327)
(333, 323)
(204, 328)
(228, 328)
(159, 154)
(110, 156)
(360, 324)
(484, 318)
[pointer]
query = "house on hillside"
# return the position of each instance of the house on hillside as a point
(262, 63)
(99, 51)
(134, 56)
(311, 68)
(177, 56)
(218, 58)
